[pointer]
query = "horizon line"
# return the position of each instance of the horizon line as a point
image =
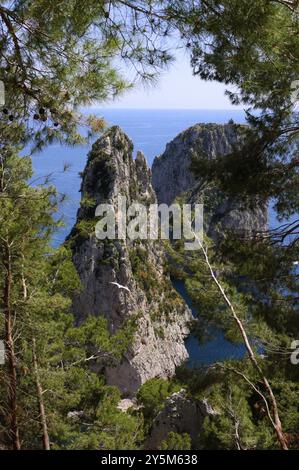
(161, 109)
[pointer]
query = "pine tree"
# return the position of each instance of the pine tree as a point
(57, 58)
(266, 320)
(54, 59)
(255, 50)
(48, 370)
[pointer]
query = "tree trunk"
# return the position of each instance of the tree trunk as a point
(39, 391)
(10, 352)
(275, 420)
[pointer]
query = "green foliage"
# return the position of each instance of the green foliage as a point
(156, 287)
(143, 271)
(253, 275)
(56, 58)
(232, 427)
(176, 441)
(83, 230)
(124, 430)
(204, 293)
(66, 355)
(153, 393)
(65, 60)
(80, 410)
(255, 50)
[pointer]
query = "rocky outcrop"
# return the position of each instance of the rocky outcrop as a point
(171, 177)
(180, 414)
(161, 316)
(147, 296)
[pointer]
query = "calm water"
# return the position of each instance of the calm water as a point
(217, 349)
(150, 131)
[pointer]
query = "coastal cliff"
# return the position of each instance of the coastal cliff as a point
(161, 316)
(172, 177)
(147, 296)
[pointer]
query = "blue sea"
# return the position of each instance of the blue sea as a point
(150, 131)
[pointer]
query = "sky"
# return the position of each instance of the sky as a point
(177, 88)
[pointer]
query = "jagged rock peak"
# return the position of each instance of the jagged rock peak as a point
(111, 170)
(171, 174)
(172, 177)
(162, 316)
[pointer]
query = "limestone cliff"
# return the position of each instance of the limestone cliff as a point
(171, 177)
(162, 316)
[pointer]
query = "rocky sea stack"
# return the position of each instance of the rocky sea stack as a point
(172, 177)
(162, 317)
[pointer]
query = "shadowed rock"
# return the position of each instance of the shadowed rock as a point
(171, 177)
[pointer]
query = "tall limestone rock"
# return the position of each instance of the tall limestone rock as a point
(171, 177)
(162, 316)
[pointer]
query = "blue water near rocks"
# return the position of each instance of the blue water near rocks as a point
(150, 131)
(218, 348)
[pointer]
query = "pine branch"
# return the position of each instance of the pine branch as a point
(275, 420)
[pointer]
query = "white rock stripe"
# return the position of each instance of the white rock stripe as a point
(2, 353)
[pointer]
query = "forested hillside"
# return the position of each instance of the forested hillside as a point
(56, 391)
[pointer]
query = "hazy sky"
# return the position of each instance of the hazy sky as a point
(176, 88)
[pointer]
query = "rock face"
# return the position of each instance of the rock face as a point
(162, 317)
(171, 177)
(180, 414)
